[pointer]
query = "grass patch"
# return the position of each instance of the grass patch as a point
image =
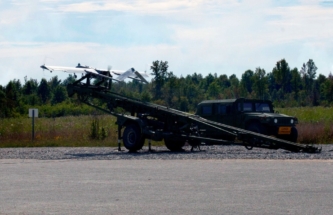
(315, 126)
(315, 123)
(70, 131)
(309, 114)
(62, 131)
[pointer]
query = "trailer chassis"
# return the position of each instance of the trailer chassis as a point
(143, 120)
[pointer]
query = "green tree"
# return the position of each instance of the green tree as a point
(207, 81)
(327, 90)
(12, 97)
(196, 78)
(69, 80)
(3, 108)
(44, 91)
(308, 72)
(30, 86)
(224, 81)
(214, 90)
(183, 104)
(234, 86)
(54, 82)
(282, 76)
(260, 83)
(246, 80)
(59, 95)
(160, 73)
(320, 82)
(33, 99)
(145, 96)
(171, 87)
(296, 82)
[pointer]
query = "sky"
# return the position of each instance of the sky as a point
(202, 36)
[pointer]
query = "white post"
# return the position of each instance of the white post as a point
(33, 113)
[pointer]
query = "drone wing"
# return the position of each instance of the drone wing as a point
(74, 70)
(62, 68)
(125, 75)
(138, 74)
(94, 72)
(131, 73)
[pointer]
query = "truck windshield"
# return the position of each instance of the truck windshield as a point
(255, 107)
(262, 107)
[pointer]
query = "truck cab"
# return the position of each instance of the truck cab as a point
(250, 114)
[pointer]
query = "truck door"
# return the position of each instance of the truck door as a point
(224, 114)
(238, 112)
(207, 111)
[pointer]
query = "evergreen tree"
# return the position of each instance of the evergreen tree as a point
(44, 91)
(30, 86)
(246, 81)
(54, 82)
(260, 83)
(214, 90)
(12, 97)
(3, 108)
(69, 80)
(308, 71)
(282, 76)
(234, 86)
(160, 73)
(296, 82)
(59, 95)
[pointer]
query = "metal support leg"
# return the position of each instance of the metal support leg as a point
(195, 146)
(119, 137)
(149, 145)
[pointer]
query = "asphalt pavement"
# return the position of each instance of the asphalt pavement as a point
(166, 186)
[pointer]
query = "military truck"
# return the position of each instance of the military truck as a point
(250, 114)
(139, 121)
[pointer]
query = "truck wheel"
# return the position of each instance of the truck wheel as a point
(293, 135)
(253, 141)
(255, 127)
(133, 140)
(174, 144)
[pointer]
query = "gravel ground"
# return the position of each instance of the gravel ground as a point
(159, 153)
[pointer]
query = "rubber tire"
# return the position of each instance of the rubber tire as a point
(293, 135)
(254, 127)
(174, 144)
(132, 138)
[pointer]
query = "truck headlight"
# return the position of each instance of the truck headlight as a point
(292, 121)
(275, 120)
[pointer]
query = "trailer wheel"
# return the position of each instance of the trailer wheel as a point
(133, 140)
(253, 141)
(174, 144)
(293, 135)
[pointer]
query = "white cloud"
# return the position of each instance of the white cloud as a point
(222, 37)
(142, 6)
(26, 61)
(17, 11)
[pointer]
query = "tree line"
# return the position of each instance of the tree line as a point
(285, 86)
